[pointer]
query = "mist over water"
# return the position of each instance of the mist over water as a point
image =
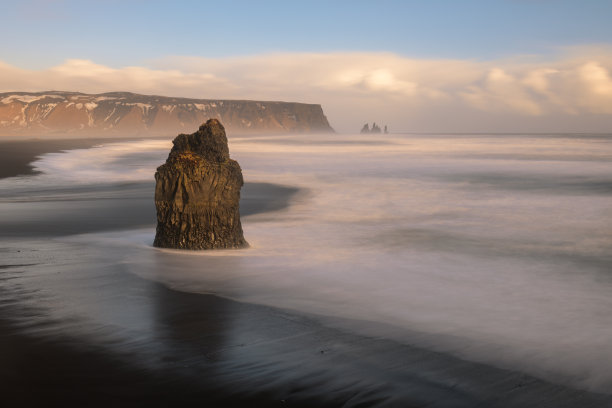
(493, 248)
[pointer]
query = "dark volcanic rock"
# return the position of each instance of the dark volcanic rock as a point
(197, 193)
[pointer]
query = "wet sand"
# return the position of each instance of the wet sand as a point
(125, 206)
(16, 156)
(82, 209)
(202, 350)
(211, 351)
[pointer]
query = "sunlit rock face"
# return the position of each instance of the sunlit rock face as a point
(119, 114)
(197, 193)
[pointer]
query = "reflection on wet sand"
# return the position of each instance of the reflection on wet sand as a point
(397, 249)
(151, 344)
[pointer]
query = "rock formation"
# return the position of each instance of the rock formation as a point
(197, 193)
(375, 128)
(117, 114)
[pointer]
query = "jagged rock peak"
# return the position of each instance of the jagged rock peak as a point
(209, 141)
(375, 128)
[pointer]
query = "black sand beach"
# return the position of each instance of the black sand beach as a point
(198, 349)
(16, 156)
(275, 358)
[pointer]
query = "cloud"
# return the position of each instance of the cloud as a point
(571, 91)
(595, 85)
(538, 79)
(597, 78)
(502, 92)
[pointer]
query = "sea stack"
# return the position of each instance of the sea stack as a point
(197, 193)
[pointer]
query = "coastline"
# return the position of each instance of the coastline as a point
(16, 156)
(194, 349)
(211, 350)
(124, 206)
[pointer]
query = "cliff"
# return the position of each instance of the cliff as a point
(116, 114)
(197, 193)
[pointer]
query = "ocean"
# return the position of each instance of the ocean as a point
(492, 249)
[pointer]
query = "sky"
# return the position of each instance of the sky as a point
(418, 66)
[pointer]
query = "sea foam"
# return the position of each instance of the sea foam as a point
(495, 249)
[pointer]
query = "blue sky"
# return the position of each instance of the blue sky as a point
(134, 31)
(504, 65)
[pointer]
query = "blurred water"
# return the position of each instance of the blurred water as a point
(494, 248)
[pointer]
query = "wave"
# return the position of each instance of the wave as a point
(449, 242)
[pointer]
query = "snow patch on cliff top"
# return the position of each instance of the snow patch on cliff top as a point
(28, 98)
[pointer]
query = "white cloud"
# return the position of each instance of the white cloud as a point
(406, 93)
(538, 79)
(597, 78)
(502, 92)
(596, 86)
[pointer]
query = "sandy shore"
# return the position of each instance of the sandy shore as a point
(211, 351)
(16, 156)
(169, 348)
